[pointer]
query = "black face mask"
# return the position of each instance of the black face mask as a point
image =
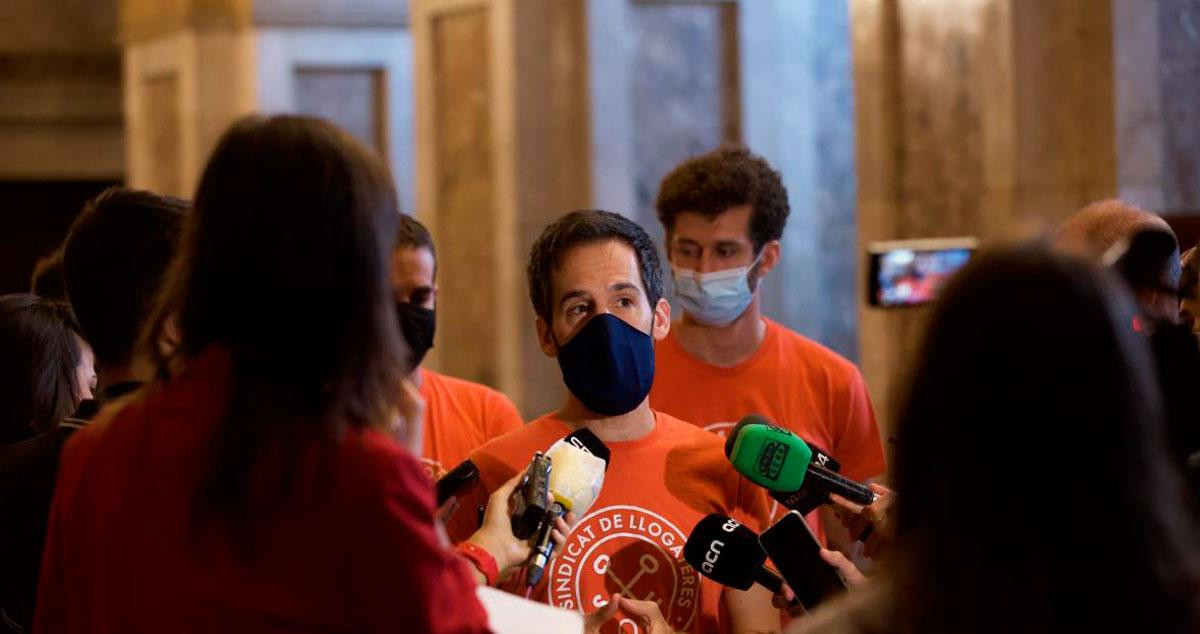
(608, 365)
(417, 324)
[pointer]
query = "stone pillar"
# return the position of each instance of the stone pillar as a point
(991, 118)
(192, 67)
(1158, 125)
(502, 143)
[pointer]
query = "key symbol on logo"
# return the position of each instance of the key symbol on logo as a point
(647, 564)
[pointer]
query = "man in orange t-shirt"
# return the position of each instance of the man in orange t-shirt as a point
(596, 287)
(459, 415)
(724, 214)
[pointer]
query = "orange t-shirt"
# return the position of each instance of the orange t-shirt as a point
(793, 381)
(460, 416)
(631, 541)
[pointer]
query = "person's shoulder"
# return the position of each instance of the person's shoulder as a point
(475, 392)
(535, 435)
(679, 430)
(811, 353)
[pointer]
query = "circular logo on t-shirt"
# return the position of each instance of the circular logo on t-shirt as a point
(629, 551)
(720, 429)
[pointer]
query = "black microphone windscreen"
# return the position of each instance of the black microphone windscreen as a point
(725, 551)
(588, 441)
(748, 419)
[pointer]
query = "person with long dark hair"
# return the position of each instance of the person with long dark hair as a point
(258, 486)
(46, 367)
(1035, 492)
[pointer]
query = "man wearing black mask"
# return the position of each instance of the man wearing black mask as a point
(113, 260)
(459, 415)
(596, 285)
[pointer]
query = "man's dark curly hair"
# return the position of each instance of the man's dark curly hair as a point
(730, 176)
(581, 228)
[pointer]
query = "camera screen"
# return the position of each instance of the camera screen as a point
(910, 277)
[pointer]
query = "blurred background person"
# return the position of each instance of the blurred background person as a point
(257, 485)
(46, 370)
(1032, 400)
(460, 415)
(1094, 231)
(119, 249)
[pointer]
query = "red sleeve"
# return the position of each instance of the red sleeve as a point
(405, 574)
(858, 446)
(51, 613)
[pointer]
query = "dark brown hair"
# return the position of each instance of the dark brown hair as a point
(284, 264)
(580, 228)
(38, 384)
(729, 176)
(1035, 490)
(114, 259)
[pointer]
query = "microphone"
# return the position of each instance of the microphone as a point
(459, 478)
(580, 460)
(807, 498)
(780, 461)
(527, 504)
(727, 552)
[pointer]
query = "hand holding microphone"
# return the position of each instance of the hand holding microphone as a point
(875, 521)
(780, 461)
(576, 476)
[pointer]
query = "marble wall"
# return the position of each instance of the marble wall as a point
(1179, 76)
(350, 97)
(684, 91)
(797, 106)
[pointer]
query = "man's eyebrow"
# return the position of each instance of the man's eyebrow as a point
(624, 286)
(572, 295)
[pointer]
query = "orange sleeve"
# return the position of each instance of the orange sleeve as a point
(858, 446)
(502, 415)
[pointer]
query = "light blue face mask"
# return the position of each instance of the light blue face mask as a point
(717, 298)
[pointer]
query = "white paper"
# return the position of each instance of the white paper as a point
(510, 614)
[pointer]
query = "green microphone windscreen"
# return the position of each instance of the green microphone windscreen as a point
(770, 456)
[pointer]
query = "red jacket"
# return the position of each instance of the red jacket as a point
(353, 549)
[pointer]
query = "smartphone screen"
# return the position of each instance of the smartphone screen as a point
(911, 273)
(795, 552)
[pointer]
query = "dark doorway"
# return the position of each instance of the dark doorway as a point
(34, 217)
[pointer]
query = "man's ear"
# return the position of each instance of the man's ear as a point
(662, 320)
(546, 338)
(770, 258)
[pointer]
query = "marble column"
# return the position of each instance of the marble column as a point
(989, 118)
(1157, 53)
(501, 140)
(192, 67)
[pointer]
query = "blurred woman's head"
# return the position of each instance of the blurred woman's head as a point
(46, 368)
(284, 264)
(1035, 492)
